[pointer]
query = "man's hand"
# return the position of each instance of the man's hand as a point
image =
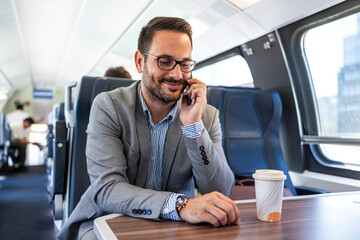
(193, 113)
(41, 147)
(214, 208)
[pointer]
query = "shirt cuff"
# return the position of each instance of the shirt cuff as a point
(194, 130)
(169, 211)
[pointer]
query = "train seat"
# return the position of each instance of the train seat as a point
(3, 159)
(214, 93)
(57, 114)
(79, 179)
(250, 120)
(59, 165)
(50, 141)
(7, 151)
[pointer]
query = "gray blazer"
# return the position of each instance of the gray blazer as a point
(118, 156)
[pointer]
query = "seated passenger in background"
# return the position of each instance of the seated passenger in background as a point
(119, 72)
(146, 148)
(19, 115)
(19, 141)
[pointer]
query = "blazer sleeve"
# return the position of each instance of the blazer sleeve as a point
(107, 166)
(210, 167)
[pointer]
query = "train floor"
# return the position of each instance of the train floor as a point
(25, 206)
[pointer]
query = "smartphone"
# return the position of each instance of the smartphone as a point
(189, 100)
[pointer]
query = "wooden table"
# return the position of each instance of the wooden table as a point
(325, 216)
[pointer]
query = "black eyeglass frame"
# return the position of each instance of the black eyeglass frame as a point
(176, 62)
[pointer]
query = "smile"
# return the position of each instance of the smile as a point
(173, 86)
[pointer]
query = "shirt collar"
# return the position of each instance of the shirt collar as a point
(146, 110)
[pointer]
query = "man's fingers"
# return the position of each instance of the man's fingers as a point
(218, 213)
(235, 209)
(193, 81)
(213, 208)
(197, 88)
(196, 212)
(227, 207)
(210, 218)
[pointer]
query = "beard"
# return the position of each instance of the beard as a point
(158, 91)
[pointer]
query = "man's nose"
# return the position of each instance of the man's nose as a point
(176, 73)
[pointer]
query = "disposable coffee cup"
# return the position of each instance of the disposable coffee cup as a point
(269, 188)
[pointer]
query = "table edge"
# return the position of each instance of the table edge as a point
(107, 234)
(100, 223)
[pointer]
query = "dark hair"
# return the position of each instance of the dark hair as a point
(19, 107)
(29, 120)
(119, 72)
(162, 23)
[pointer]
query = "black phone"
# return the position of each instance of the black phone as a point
(189, 100)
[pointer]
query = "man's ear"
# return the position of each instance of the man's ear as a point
(139, 61)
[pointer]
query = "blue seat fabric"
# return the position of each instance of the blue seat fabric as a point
(250, 121)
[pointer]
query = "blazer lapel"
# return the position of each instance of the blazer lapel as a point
(173, 136)
(143, 134)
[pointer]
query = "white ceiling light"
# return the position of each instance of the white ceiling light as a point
(243, 4)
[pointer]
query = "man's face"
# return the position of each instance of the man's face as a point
(26, 124)
(162, 85)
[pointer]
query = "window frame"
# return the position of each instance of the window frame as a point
(235, 51)
(219, 57)
(307, 107)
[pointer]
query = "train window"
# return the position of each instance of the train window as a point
(233, 71)
(332, 55)
(348, 155)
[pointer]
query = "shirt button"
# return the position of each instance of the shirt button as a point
(166, 210)
(152, 157)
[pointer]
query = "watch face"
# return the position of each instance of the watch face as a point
(180, 200)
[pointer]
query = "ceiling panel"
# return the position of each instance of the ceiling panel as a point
(123, 51)
(100, 26)
(218, 39)
(128, 44)
(247, 25)
(273, 14)
(228, 26)
(46, 27)
(13, 65)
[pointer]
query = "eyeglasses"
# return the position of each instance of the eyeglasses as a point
(167, 63)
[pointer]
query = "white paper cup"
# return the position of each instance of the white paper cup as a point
(269, 188)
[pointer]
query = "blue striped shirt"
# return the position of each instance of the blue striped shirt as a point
(157, 141)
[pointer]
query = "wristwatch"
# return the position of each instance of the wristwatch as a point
(181, 202)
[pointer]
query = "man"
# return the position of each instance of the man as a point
(146, 148)
(19, 115)
(19, 141)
